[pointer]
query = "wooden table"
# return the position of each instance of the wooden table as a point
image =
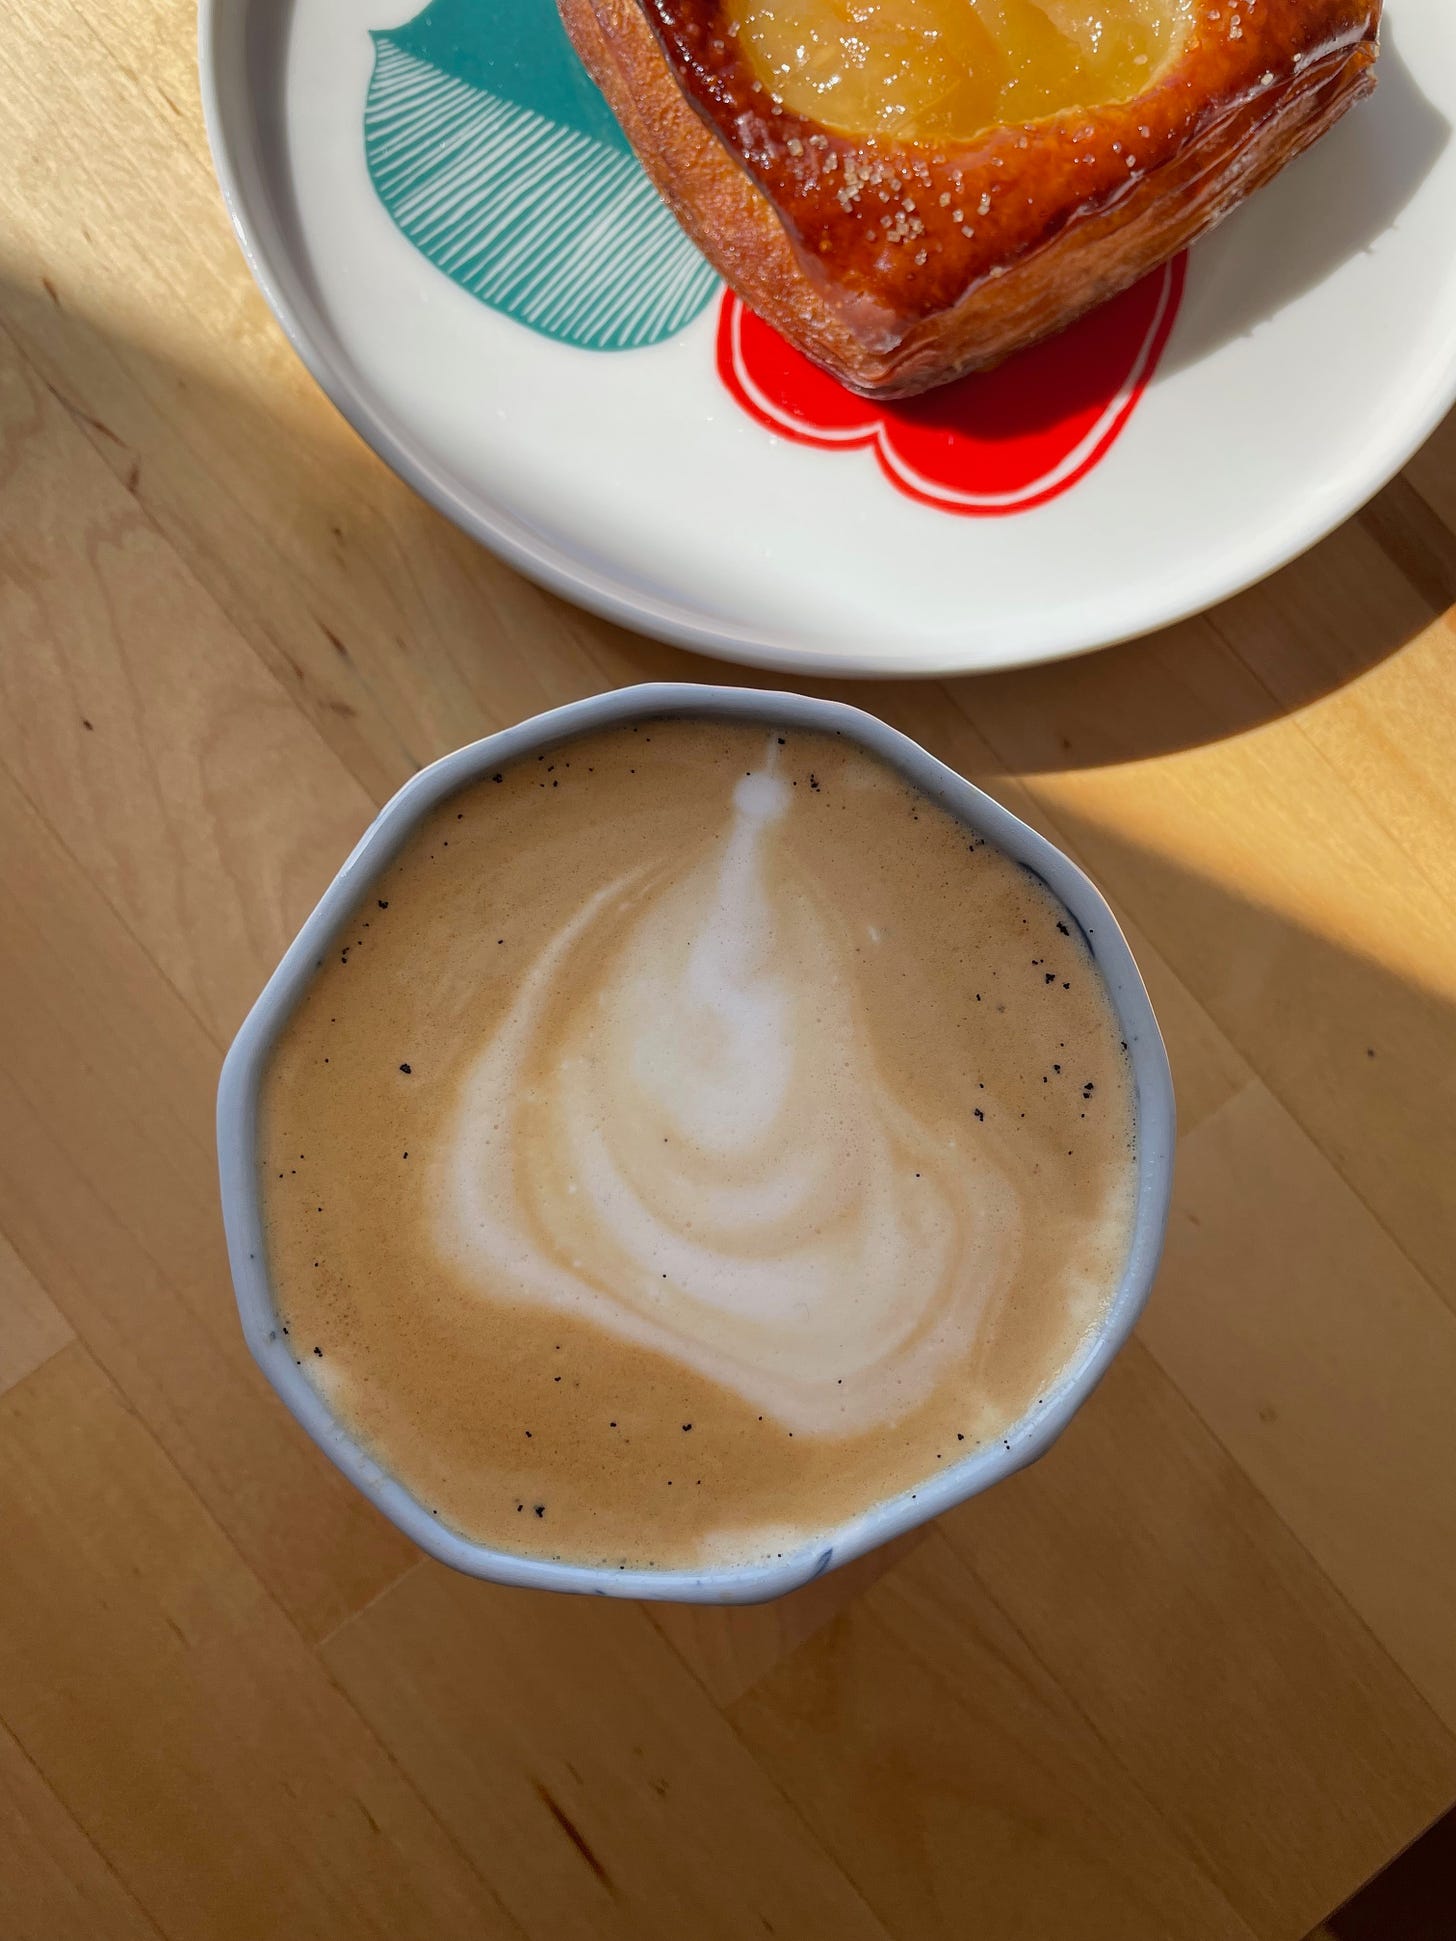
(1194, 1676)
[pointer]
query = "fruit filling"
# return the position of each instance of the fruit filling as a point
(928, 70)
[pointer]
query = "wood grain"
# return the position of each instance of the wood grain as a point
(1151, 1578)
(154, 735)
(958, 1784)
(108, 1193)
(1192, 1677)
(54, 1885)
(1325, 1364)
(729, 1648)
(583, 1769)
(178, 1716)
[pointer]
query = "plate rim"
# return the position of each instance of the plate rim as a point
(552, 566)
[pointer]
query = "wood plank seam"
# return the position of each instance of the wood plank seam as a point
(32, 1327)
(1041, 1689)
(1336, 1594)
(320, 1644)
(1179, 1835)
(120, 1885)
(315, 1651)
(58, 835)
(1292, 718)
(1205, 1861)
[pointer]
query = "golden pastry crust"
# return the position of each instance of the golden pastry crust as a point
(899, 266)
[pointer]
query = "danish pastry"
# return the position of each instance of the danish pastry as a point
(909, 190)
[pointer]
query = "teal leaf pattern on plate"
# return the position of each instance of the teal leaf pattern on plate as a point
(494, 152)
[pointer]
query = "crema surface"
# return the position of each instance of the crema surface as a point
(697, 1137)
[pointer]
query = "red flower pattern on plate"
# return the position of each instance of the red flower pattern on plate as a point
(1000, 442)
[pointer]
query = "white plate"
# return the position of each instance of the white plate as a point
(678, 487)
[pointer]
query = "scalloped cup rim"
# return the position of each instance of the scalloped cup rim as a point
(248, 1056)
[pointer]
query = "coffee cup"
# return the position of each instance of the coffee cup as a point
(989, 1460)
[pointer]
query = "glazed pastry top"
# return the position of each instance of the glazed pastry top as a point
(901, 218)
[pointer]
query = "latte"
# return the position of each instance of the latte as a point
(697, 1137)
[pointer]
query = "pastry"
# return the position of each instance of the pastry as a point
(912, 189)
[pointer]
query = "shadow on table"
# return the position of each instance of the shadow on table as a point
(1309, 630)
(1183, 687)
(1413, 1899)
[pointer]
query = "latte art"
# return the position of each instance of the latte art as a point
(696, 1138)
(680, 1131)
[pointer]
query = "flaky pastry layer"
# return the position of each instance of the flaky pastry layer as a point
(897, 265)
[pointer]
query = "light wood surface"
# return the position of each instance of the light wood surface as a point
(1192, 1677)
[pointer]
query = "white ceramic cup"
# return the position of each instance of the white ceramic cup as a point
(237, 1133)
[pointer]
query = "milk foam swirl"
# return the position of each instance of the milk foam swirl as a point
(680, 1132)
